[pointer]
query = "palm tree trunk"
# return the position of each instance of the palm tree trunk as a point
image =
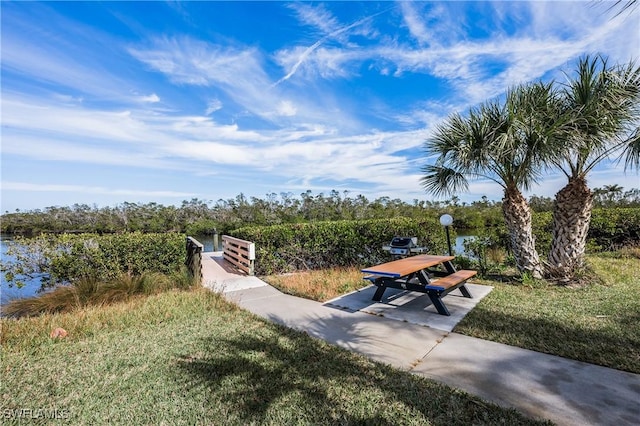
(571, 218)
(517, 215)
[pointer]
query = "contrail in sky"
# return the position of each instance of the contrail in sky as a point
(317, 44)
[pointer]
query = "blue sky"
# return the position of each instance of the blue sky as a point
(106, 102)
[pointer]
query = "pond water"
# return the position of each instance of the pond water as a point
(207, 241)
(9, 291)
(458, 249)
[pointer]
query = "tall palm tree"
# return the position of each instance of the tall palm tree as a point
(508, 143)
(604, 103)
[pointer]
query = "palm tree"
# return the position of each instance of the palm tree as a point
(507, 143)
(612, 194)
(604, 103)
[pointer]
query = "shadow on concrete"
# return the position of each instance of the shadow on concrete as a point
(227, 267)
(411, 306)
(565, 391)
(540, 385)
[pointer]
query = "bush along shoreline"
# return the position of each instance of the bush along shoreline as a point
(104, 262)
(90, 269)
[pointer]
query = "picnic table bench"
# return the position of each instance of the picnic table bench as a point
(414, 274)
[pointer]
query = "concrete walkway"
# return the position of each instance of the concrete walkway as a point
(542, 386)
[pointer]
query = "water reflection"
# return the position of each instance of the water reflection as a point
(459, 247)
(8, 291)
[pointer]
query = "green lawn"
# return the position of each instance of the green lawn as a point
(598, 323)
(191, 358)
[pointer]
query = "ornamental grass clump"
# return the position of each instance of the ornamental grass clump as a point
(92, 291)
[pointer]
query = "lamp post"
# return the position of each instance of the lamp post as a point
(446, 220)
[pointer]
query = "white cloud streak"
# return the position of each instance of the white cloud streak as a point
(556, 35)
(31, 187)
(322, 19)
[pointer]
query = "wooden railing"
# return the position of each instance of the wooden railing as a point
(194, 258)
(240, 253)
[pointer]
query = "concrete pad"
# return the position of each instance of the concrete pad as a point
(230, 285)
(389, 341)
(544, 386)
(245, 296)
(222, 277)
(411, 306)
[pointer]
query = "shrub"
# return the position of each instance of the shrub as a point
(318, 245)
(613, 228)
(67, 258)
(485, 250)
(610, 228)
(543, 230)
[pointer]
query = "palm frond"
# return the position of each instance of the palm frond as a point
(623, 6)
(443, 181)
(604, 101)
(632, 152)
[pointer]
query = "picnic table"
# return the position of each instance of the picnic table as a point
(417, 273)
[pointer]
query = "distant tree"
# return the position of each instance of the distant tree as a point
(632, 197)
(541, 204)
(607, 196)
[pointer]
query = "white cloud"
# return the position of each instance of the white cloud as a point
(141, 139)
(213, 106)
(556, 35)
(188, 61)
(306, 133)
(32, 187)
(417, 27)
(332, 29)
(318, 17)
(237, 72)
(287, 109)
(152, 98)
(76, 62)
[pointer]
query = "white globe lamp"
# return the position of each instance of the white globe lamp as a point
(446, 220)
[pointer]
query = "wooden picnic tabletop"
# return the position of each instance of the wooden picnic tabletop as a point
(408, 265)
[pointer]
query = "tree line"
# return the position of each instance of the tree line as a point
(197, 217)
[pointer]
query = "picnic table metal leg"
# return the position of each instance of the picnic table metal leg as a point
(465, 291)
(437, 302)
(449, 267)
(379, 292)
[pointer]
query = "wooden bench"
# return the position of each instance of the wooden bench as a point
(443, 286)
(451, 282)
